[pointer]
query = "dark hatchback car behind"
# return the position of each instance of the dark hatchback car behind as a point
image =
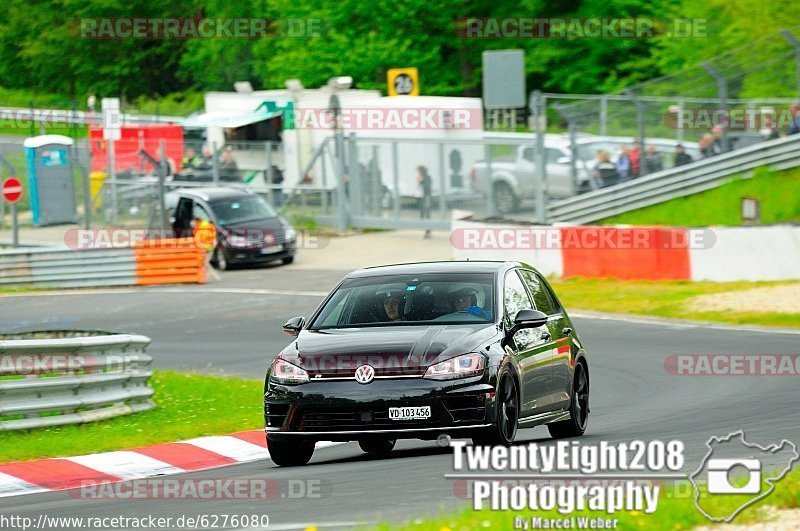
(249, 231)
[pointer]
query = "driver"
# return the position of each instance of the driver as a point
(391, 305)
(466, 300)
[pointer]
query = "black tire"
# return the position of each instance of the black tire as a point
(504, 429)
(286, 260)
(219, 260)
(290, 453)
(505, 200)
(575, 426)
(377, 447)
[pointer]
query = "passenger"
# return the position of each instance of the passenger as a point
(466, 300)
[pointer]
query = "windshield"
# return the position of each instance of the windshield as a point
(450, 298)
(238, 210)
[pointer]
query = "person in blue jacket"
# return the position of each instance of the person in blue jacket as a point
(466, 300)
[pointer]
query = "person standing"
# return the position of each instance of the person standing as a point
(717, 145)
(652, 160)
(681, 157)
(190, 159)
(623, 164)
(205, 237)
(277, 185)
(706, 148)
(635, 156)
(424, 180)
(794, 125)
(605, 172)
(228, 170)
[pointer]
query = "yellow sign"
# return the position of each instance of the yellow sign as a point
(403, 81)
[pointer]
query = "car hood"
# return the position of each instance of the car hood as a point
(390, 350)
(258, 232)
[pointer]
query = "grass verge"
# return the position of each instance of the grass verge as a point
(676, 510)
(776, 191)
(663, 299)
(189, 405)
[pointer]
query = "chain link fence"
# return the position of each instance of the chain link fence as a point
(748, 92)
(729, 102)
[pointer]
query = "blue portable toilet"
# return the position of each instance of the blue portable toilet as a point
(51, 179)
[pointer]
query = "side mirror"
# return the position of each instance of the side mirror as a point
(294, 325)
(527, 319)
(563, 160)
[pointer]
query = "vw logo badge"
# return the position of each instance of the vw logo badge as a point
(365, 374)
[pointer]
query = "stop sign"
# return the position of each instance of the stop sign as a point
(12, 190)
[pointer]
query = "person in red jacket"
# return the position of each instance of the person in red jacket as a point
(636, 155)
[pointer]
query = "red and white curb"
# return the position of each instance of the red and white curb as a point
(43, 475)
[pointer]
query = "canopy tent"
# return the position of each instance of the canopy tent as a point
(226, 119)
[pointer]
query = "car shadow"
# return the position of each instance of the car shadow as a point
(406, 453)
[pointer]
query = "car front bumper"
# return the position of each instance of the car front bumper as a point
(237, 255)
(344, 410)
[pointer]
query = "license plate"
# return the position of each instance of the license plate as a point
(272, 249)
(410, 413)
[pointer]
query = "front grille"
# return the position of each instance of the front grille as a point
(276, 414)
(359, 420)
(466, 407)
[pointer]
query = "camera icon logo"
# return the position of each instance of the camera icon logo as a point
(721, 476)
(745, 480)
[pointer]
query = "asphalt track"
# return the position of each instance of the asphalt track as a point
(228, 328)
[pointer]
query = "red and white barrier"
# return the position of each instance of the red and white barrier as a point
(637, 253)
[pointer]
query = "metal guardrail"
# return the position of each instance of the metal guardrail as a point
(669, 184)
(67, 268)
(169, 261)
(56, 378)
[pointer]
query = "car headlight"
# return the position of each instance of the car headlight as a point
(458, 367)
(237, 240)
(289, 234)
(286, 373)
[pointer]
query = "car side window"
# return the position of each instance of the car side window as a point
(544, 302)
(553, 155)
(516, 299)
(527, 154)
(550, 293)
(514, 296)
(200, 212)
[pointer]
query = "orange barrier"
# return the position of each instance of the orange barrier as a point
(627, 253)
(171, 261)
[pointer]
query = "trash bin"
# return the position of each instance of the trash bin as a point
(96, 181)
(51, 179)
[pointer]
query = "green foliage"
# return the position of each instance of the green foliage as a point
(44, 48)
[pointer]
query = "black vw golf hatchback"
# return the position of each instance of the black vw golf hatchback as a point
(466, 349)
